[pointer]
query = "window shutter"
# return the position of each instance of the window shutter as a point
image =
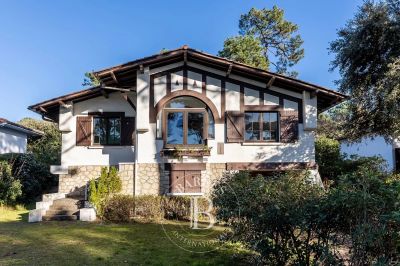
(289, 126)
(128, 130)
(234, 126)
(83, 131)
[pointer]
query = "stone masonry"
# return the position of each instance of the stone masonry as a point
(152, 178)
(75, 181)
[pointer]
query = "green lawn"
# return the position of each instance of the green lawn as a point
(70, 243)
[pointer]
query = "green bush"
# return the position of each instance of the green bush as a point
(101, 189)
(332, 164)
(10, 188)
(286, 220)
(34, 176)
(147, 208)
(280, 218)
(119, 208)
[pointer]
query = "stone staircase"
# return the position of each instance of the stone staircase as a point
(65, 209)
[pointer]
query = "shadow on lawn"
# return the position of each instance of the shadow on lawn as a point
(69, 243)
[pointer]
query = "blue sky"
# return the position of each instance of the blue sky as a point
(47, 46)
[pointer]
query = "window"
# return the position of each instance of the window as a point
(187, 121)
(107, 130)
(261, 126)
(185, 127)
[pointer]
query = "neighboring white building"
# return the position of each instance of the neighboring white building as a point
(175, 122)
(375, 147)
(14, 137)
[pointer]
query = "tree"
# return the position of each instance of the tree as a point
(368, 59)
(246, 50)
(271, 37)
(90, 80)
(47, 149)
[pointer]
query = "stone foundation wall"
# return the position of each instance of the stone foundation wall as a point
(75, 181)
(152, 179)
(213, 172)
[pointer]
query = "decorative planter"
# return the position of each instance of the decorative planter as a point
(178, 153)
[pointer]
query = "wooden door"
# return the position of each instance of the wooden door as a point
(177, 181)
(192, 181)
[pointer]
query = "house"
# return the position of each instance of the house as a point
(377, 146)
(14, 137)
(176, 121)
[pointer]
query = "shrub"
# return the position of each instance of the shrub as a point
(101, 189)
(279, 217)
(10, 188)
(119, 208)
(333, 164)
(365, 207)
(148, 208)
(34, 176)
(288, 221)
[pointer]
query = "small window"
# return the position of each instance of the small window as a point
(107, 131)
(261, 126)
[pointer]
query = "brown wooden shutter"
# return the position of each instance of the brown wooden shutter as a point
(289, 126)
(234, 126)
(128, 131)
(83, 131)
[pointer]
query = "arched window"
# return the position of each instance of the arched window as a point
(185, 120)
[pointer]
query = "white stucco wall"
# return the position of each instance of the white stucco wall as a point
(12, 141)
(371, 147)
(148, 147)
(72, 155)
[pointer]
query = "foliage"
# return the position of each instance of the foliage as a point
(269, 35)
(332, 123)
(101, 189)
(332, 164)
(365, 208)
(368, 58)
(328, 157)
(281, 218)
(10, 187)
(34, 175)
(90, 80)
(119, 208)
(246, 50)
(150, 208)
(289, 221)
(47, 149)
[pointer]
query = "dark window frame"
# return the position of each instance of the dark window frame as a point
(185, 112)
(261, 124)
(107, 117)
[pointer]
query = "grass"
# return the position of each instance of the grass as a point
(71, 243)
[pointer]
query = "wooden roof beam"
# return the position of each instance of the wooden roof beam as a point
(185, 57)
(141, 69)
(42, 109)
(126, 97)
(114, 77)
(228, 72)
(314, 94)
(270, 82)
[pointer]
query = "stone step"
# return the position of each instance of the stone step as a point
(67, 202)
(63, 208)
(60, 218)
(52, 212)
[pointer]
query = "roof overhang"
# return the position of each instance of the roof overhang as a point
(19, 128)
(124, 77)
